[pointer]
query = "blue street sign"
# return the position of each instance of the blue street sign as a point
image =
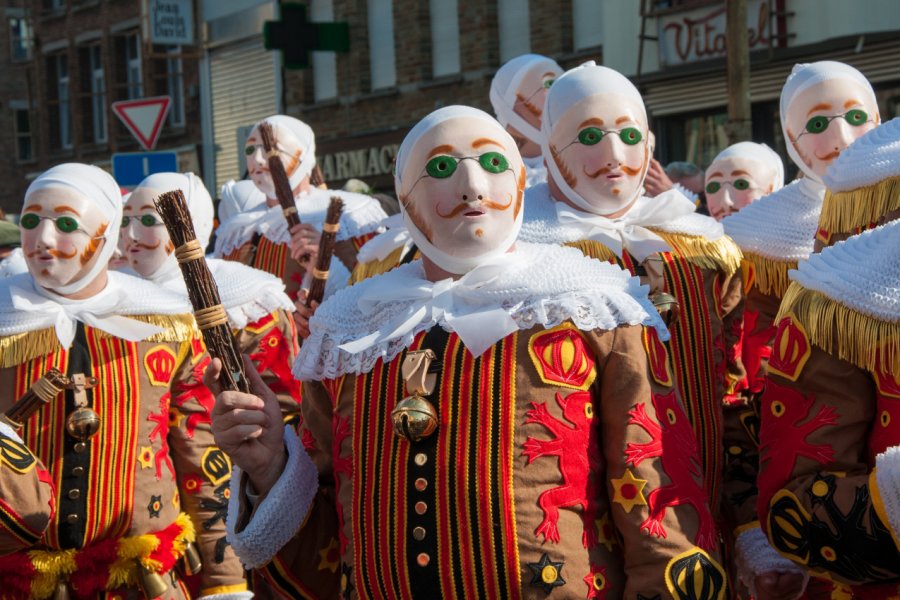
(130, 168)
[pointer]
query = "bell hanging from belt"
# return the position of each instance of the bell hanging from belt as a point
(414, 418)
(667, 306)
(192, 562)
(152, 584)
(83, 423)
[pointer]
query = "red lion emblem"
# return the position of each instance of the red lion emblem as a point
(675, 445)
(274, 355)
(579, 454)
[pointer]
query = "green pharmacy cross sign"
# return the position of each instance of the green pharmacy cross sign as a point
(296, 37)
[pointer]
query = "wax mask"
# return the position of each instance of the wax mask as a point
(463, 186)
(826, 118)
(734, 182)
(146, 240)
(532, 92)
(601, 148)
(62, 233)
(290, 151)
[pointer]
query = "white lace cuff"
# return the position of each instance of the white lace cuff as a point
(281, 512)
(229, 596)
(9, 432)
(887, 480)
(686, 192)
(754, 556)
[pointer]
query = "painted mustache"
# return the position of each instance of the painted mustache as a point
(145, 246)
(486, 203)
(630, 171)
(53, 252)
(530, 106)
(830, 155)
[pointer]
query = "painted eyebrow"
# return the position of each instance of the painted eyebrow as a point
(820, 106)
(739, 172)
(250, 139)
(65, 208)
(440, 150)
(717, 174)
(32, 208)
(852, 102)
(592, 121)
(484, 142)
(551, 73)
(623, 120)
(147, 206)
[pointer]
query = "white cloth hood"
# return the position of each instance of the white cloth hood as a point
(505, 85)
(760, 153)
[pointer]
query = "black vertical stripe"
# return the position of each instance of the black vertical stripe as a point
(501, 407)
(473, 426)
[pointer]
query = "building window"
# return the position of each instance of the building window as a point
(514, 28)
(54, 5)
(587, 19)
(324, 64)
(382, 62)
(19, 39)
(59, 101)
(22, 127)
(133, 76)
(175, 85)
(93, 84)
(444, 37)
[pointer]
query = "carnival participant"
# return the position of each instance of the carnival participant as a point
(862, 186)
(286, 254)
(241, 204)
(532, 433)
(596, 144)
(122, 474)
(258, 309)
(740, 174)
(824, 107)
(517, 94)
(829, 479)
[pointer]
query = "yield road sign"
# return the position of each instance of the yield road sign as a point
(130, 168)
(143, 117)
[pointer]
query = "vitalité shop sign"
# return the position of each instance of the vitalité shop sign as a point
(700, 33)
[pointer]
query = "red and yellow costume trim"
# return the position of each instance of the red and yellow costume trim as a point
(854, 211)
(768, 275)
(106, 565)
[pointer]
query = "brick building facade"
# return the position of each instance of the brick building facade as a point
(64, 62)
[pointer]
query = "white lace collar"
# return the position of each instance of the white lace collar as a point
(362, 215)
(537, 285)
(780, 226)
(25, 308)
(670, 212)
(861, 273)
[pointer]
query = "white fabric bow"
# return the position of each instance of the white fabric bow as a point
(97, 311)
(630, 231)
(477, 318)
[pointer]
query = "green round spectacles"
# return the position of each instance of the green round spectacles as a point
(443, 166)
(819, 124)
(64, 224)
(739, 184)
(145, 220)
(590, 136)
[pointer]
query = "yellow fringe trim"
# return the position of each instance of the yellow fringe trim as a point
(770, 276)
(719, 255)
(21, 347)
(55, 565)
(847, 212)
(363, 271)
(844, 332)
(593, 249)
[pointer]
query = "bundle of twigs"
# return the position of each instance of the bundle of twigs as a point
(317, 179)
(326, 250)
(202, 290)
(280, 179)
(42, 392)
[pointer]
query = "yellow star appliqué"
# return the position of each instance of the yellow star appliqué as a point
(606, 531)
(146, 457)
(628, 491)
(330, 557)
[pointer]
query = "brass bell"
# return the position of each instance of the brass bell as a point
(192, 562)
(414, 418)
(667, 306)
(152, 585)
(83, 424)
